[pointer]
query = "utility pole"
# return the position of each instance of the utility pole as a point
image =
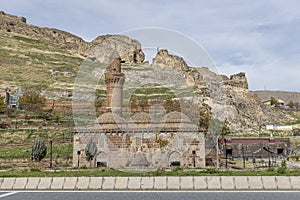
(243, 153)
(70, 130)
(226, 153)
(269, 159)
(217, 151)
(50, 154)
(194, 158)
(260, 141)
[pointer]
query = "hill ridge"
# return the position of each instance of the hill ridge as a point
(283, 95)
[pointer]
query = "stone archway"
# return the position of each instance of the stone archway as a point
(175, 159)
(101, 159)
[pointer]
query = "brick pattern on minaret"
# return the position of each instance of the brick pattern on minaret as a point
(114, 80)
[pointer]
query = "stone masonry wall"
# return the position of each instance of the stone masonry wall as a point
(142, 149)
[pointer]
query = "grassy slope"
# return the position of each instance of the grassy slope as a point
(62, 150)
(26, 63)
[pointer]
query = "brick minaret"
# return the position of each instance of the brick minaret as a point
(114, 80)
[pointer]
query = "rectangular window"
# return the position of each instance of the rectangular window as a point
(280, 151)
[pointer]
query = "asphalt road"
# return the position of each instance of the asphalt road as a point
(117, 195)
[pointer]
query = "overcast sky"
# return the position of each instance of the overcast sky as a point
(259, 37)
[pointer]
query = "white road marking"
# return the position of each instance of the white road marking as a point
(7, 194)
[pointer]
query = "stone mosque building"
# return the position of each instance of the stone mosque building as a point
(138, 143)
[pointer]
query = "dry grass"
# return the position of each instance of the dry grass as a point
(27, 62)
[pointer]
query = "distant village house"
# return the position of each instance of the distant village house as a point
(12, 98)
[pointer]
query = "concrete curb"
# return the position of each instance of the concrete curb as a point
(153, 183)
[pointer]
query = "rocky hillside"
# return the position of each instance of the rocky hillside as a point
(49, 60)
(14, 24)
(70, 42)
(228, 97)
(33, 63)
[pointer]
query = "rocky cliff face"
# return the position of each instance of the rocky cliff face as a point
(130, 50)
(163, 57)
(228, 98)
(245, 112)
(237, 80)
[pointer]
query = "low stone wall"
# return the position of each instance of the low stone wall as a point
(153, 183)
(15, 160)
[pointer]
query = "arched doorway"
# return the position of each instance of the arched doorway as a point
(101, 159)
(175, 159)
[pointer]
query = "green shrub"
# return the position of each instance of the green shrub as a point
(90, 150)
(39, 150)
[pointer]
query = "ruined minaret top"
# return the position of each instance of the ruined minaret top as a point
(114, 80)
(115, 65)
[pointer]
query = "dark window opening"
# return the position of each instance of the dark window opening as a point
(229, 151)
(175, 164)
(101, 164)
(279, 151)
(193, 152)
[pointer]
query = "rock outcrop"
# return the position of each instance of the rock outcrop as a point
(163, 57)
(103, 47)
(237, 80)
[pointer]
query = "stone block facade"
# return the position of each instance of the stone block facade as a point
(141, 149)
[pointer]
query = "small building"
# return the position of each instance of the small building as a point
(248, 147)
(279, 128)
(12, 98)
(278, 103)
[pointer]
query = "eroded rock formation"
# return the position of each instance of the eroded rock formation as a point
(163, 57)
(130, 50)
(228, 98)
